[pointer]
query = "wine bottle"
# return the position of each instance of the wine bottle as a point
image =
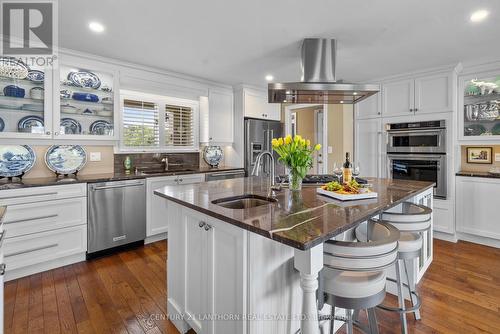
(347, 169)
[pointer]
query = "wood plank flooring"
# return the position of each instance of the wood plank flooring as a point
(125, 293)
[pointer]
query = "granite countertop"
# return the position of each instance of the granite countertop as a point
(91, 178)
(298, 219)
(478, 174)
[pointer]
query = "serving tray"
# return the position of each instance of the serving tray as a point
(344, 197)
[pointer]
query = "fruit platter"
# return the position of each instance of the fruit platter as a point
(347, 191)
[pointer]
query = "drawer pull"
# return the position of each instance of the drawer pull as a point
(2, 269)
(31, 250)
(29, 195)
(30, 219)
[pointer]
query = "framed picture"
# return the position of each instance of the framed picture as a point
(479, 155)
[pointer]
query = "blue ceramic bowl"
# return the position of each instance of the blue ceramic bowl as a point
(85, 97)
(13, 91)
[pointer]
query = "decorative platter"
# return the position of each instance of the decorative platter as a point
(84, 79)
(11, 67)
(36, 76)
(100, 127)
(65, 159)
(15, 160)
(69, 126)
(213, 155)
(27, 123)
(346, 197)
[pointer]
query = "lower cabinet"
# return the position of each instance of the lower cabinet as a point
(157, 213)
(206, 280)
(477, 206)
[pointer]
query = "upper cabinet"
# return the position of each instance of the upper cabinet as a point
(426, 94)
(220, 116)
(25, 101)
(479, 117)
(255, 105)
(368, 108)
(86, 99)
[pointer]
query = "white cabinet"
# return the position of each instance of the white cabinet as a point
(220, 116)
(46, 227)
(368, 108)
(255, 105)
(157, 214)
(398, 97)
(210, 257)
(425, 94)
(477, 206)
(368, 134)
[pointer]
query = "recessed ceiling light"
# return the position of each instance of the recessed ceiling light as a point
(355, 93)
(96, 27)
(341, 101)
(269, 77)
(479, 15)
(288, 92)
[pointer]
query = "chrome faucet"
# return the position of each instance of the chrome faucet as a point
(255, 171)
(165, 161)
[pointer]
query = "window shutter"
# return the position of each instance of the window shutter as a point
(179, 127)
(140, 124)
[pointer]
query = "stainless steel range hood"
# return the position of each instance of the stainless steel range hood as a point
(318, 83)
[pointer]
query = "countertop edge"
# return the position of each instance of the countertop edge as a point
(478, 174)
(276, 236)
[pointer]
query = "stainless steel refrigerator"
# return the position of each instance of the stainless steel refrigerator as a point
(258, 136)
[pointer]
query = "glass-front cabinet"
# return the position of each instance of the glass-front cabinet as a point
(480, 119)
(86, 100)
(25, 100)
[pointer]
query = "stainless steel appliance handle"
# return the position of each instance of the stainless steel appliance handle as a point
(118, 186)
(415, 156)
(29, 195)
(2, 269)
(31, 250)
(437, 130)
(29, 219)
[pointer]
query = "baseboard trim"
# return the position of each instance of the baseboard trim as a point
(479, 240)
(445, 236)
(155, 238)
(44, 266)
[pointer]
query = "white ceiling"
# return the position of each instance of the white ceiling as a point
(235, 41)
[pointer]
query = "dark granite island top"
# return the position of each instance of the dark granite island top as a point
(301, 219)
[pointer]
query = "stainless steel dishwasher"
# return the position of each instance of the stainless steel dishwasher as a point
(116, 214)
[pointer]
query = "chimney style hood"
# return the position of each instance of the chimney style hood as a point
(318, 83)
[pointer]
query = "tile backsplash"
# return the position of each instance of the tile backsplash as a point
(153, 161)
(467, 167)
(40, 169)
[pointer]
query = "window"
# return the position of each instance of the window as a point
(158, 123)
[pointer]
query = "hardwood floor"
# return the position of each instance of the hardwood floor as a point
(125, 293)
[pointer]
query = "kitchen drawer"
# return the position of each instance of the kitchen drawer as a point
(45, 246)
(39, 194)
(22, 219)
(190, 178)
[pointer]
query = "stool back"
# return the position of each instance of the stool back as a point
(375, 254)
(409, 217)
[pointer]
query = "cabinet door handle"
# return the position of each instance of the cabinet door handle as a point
(201, 224)
(29, 219)
(207, 227)
(31, 250)
(2, 269)
(411, 109)
(416, 109)
(47, 133)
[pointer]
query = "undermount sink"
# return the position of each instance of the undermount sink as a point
(244, 201)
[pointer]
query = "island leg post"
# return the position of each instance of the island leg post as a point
(309, 263)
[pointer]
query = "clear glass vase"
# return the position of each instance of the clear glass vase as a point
(294, 180)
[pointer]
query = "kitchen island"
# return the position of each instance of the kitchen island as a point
(254, 269)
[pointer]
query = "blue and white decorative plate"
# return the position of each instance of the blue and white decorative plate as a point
(36, 76)
(213, 155)
(31, 124)
(13, 68)
(102, 128)
(16, 160)
(2, 124)
(84, 79)
(69, 126)
(65, 159)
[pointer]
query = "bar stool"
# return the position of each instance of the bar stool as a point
(411, 220)
(354, 273)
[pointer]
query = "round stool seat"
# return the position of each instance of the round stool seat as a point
(409, 242)
(409, 217)
(351, 284)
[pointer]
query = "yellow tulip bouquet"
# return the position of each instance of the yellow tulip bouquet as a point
(297, 155)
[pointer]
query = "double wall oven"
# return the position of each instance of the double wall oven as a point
(417, 151)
